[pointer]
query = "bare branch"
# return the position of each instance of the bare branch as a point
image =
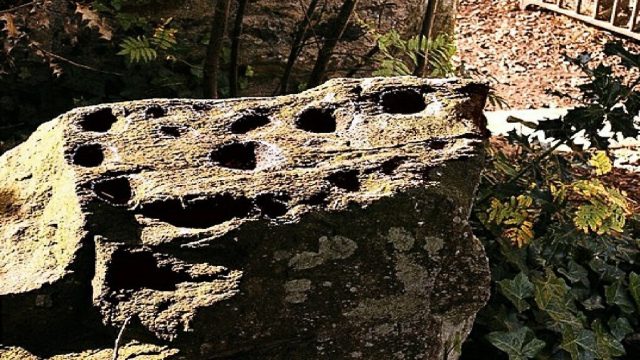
(18, 7)
(71, 62)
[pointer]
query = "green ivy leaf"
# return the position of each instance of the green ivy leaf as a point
(616, 294)
(580, 343)
(593, 303)
(620, 327)
(552, 296)
(575, 273)
(607, 346)
(634, 287)
(519, 345)
(517, 290)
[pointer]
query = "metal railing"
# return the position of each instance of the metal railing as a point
(619, 16)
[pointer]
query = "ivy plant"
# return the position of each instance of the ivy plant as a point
(562, 239)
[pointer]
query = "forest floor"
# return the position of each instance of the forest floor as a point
(522, 51)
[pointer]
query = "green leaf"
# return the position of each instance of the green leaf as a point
(593, 303)
(634, 287)
(519, 345)
(607, 346)
(616, 294)
(575, 273)
(517, 290)
(620, 327)
(552, 296)
(580, 343)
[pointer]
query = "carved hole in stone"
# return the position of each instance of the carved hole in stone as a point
(99, 121)
(347, 180)
(236, 156)
(88, 155)
(319, 198)
(389, 166)
(402, 101)
(249, 122)
(317, 120)
(272, 206)
(140, 270)
(437, 144)
(115, 191)
(172, 131)
(154, 111)
(198, 213)
(201, 107)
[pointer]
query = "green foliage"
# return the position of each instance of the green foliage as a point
(562, 240)
(400, 57)
(138, 48)
(144, 49)
(519, 345)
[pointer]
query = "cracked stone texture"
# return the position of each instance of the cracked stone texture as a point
(257, 228)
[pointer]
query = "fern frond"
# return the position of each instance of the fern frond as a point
(137, 49)
(601, 163)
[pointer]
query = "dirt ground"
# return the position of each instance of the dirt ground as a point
(521, 51)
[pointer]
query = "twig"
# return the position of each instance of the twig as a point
(298, 42)
(116, 346)
(71, 62)
(18, 7)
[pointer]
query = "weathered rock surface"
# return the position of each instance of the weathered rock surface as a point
(328, 224)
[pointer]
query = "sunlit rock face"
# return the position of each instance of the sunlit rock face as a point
(328, 224)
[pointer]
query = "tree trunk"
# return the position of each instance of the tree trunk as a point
(330, 43)
(296, 45)
(235, 48)
(425, 35)
(212, 61)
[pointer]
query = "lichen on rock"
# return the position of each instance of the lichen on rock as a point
(250, 228)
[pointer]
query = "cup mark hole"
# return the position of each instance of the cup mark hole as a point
(239, 155)
(155, 111)
(317, 120)
(249, 122)
(402, 101)
(198, 213)
(89, 155)
(347, 180)
(116, 191)
(98, 121)
(272, 206)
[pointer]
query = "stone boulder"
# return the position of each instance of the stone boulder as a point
(328, 224)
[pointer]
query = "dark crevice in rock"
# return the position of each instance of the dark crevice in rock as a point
(271, 205)
(319, 198)
(347, 179)
(154, 111)
(138, 270)
(198, 213)
(236, 156)
(317, 120)
(89, 155)
(99, 121)
(201, 107)
(248, 122)
(437, 144)
(389, 166)
(402, 101)
(173, 131)
(115, 191)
